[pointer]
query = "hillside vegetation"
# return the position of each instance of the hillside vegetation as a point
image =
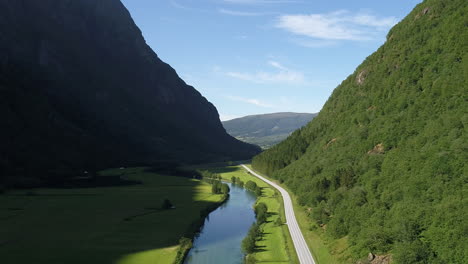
(383, 164)
(266, 130)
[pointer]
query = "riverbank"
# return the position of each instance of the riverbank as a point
(121, 224)
(276, 244)
(219, 241)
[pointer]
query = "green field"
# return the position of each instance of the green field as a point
(276, 244)
(123, 225)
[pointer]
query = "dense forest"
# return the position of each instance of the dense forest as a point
(384, 162)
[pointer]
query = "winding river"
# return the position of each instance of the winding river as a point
(221, 236)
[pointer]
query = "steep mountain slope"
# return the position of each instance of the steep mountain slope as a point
(80, 89)
(268, 129)
(384, 162)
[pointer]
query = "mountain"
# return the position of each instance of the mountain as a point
(80, 89)
(383, 165)
(268, 129)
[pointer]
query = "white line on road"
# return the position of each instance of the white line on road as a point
(302, 250)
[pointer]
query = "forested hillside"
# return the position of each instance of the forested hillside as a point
(81, 90)
(266, 130)
(384, 162)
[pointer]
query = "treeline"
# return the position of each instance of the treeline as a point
(252, 186)
(217, 187)
(255, 232)
(249, 185)
(384, 163)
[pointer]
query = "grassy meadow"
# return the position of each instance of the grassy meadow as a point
(122, 225)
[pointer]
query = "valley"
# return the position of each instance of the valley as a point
(281, 132)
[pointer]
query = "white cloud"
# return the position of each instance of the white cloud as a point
(284, 75)
(178, 5)
(239, 13)
(278, 65)
(338, 25)
(249, 101)
(314, 43)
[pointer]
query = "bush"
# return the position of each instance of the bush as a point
(185, 245)
(412, 253)
(166, 204)
(251, 185)
(225, 188)
(248, 244)
(258, 191)
(249, 259)
(218, 187)
(279, 222)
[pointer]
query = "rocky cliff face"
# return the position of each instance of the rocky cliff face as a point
(80, 88)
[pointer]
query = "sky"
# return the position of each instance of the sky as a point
(264, 56)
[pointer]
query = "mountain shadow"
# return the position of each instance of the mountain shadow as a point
(81, 90)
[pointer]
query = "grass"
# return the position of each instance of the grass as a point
(276, 245)
(123, 225)
(324, 250)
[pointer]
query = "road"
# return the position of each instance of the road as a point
(302, 250)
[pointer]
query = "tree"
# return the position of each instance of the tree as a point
(216, 187)
(258, 191)
(248, 245)
(261, 213)
(251, 185)
(241, 183)
(225, 188)
(166, 204)
(278, 221)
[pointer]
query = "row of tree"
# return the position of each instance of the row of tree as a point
(237, 181)
(251, 185)
(217, 187)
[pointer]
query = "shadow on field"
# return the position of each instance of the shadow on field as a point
(88, 225)
(260, 249)
(224, 169)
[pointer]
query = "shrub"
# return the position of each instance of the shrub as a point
(166, 204)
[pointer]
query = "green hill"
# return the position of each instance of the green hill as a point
(383, 164)
(266, 130)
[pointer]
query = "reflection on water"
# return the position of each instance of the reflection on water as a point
(221, 236)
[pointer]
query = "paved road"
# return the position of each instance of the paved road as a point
(303, 252)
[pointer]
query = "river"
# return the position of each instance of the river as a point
(221, 236)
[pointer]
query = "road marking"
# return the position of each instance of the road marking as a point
(302, 250)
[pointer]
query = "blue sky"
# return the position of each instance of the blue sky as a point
(262, 56)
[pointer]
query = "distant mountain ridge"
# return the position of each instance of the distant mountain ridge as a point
(266, 130)
(80, 89)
